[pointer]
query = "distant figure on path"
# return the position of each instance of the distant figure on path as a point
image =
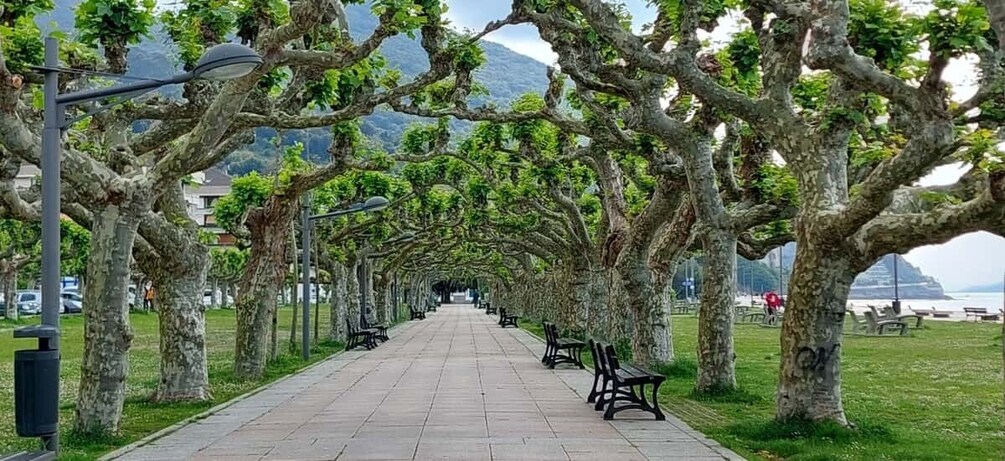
(475, 296)
(773, 302)
(148, 298)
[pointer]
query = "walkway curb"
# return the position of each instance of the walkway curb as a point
(223, 406)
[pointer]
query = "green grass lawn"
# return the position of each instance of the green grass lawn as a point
(141, 417)
(934, 396)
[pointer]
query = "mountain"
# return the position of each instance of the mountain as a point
(506, 75)
(989, 288)
(878, 281)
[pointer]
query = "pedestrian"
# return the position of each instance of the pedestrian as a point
(148, 298)
(773, 302)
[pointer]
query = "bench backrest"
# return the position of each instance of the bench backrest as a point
(605, 360)
(855, 318)
(368, 315)
(975, 310)
(597, 353)
(871, 318)
(350, 328)
(549, 336)
(611, 359)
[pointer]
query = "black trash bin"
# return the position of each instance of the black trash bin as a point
(36, 384)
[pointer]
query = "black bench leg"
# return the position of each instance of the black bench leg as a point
(656, 402)
(602, 395)
(609, 413)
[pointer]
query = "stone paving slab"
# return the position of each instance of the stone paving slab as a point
(453, 386)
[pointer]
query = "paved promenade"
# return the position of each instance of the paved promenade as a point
(453, 386)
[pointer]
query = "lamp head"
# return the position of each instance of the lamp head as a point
(375, 203)
(226, 61)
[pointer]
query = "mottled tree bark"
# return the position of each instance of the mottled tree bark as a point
(716, 357)
(338, 302)
(214, 301)
(177, 264)
(352, 291)
(269, 227)
(651, 342)
(294, 292)
(107, 335)
(225, 294)
(380, 294)
(184, 372)
(809, 381)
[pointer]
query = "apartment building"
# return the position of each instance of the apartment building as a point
(201, 193)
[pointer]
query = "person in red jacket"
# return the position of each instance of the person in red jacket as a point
(773, 301)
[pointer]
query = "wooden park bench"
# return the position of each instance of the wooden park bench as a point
(981, 314)
(490, 309)
(415, 314)
(912, 320)
(931, 311)
(751, 316)
(879, 327)
(369, 323)
(506, 319)
(614, 383)
(431, 307)
(359, 336)
(680, 308)
(554, 345)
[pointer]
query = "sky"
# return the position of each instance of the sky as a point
(972, 259)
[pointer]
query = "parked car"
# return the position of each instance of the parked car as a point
(28, 302)
(73, 303)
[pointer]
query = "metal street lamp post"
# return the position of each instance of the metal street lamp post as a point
(781, 276)
(222, 62)
(896, 286)
(371, 204)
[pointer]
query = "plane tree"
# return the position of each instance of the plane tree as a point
(885, 118)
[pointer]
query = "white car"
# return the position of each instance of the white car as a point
(73, 303)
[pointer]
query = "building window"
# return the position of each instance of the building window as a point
(209, 202)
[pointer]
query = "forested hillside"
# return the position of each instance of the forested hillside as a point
(506, 75)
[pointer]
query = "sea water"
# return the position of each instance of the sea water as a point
(993, 302)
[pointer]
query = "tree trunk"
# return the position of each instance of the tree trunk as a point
(294, 292)
(651, 342)
(177, 264)
(352, 292)
(214, 289)
(184, 372)
(380, 299)
(10, 292)
(716, 357)
(107, 335)
(264, 274)
(338, 302)
(809, 384)
(224, 293)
